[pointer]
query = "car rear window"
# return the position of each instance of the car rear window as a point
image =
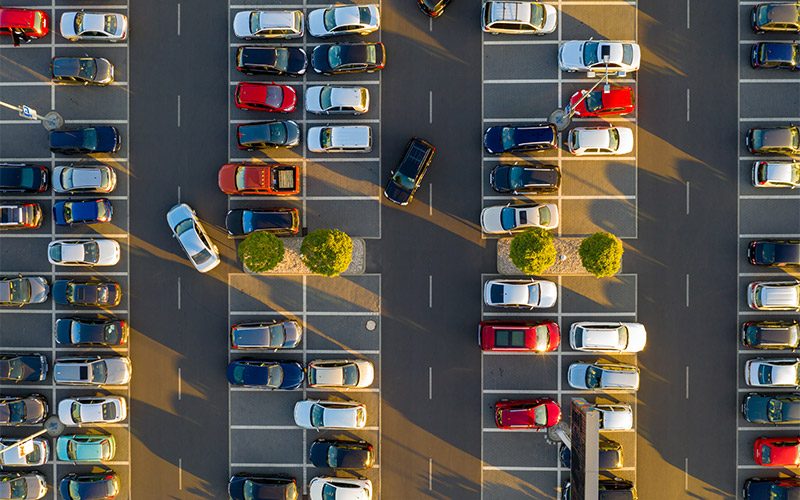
(627, 53)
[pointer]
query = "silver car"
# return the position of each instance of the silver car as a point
(193, 238)
(509, 218)
(603, 377)
(335, 100)
(11, 457)
(30, 484)
(343, 373)
(94, 26)
(518, 18)
(94, 179)
(23, 290)
(344, 20)
(316, 414)
(95, 370)
(776, 174)
(276, 335)
(340, 139)
(598, 336)
(91, 252)
(255, 24)
(24, 410)
(520, 293)
(774, 295)
(590, 56)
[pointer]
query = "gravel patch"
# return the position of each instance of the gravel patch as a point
(568, 261)
(293, 264)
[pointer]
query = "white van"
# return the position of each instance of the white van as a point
(340, 139)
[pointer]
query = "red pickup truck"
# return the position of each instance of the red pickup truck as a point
(251, 178)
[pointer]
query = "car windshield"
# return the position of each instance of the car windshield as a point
(593, 375)
(325, 137)
(507, 218)
(255, 21)
(110, 24)
(78, 22)
(16, 412)
(72, 449)
(765, 374)
(330, 19)
(184, 226)
(90, 138)
(507, 137)
(350, 375)
(542, 337)
(613, 139)
(795, 137)
(202, 256)
(15, 367)
(328, 492)
(544, 215)
(516, 178)
(627, 53)
(75, 412)
(275, 376)
(537, 15)
(325, 98)
(764, 14)
(16, 488)
(282, 59)
(91, 252)
(277, 336)
(87, 68)
(765, 454)
(317, 414)
(590, 53)
(594, 101)
(109, 411)
(775, 410)
(277, 133)
(98, 372)
(335, 56)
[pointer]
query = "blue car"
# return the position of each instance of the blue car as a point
(86, 448)
(76, 212)
(284, 375)
(85, 140)
(506, 138)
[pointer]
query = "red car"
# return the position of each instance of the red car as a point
(777, 452)
(265, 97)
(526, 413)
(510, 336)
(618, 101)
(23, 24)
(247, 178)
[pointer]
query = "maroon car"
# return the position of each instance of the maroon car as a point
(541, 336)
(526, 413)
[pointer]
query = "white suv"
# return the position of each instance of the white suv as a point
(774, 295)
(518, 18)
(340, 139)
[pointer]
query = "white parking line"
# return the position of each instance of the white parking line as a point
(310, 313)
(516, 468)
(771, 119)
(566, 197)
(768, 80)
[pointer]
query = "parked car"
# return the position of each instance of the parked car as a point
(286, 375)
(774, 295)
(94, 26)
(432, 8)
(340, 373)
(533, 179)
(336, 100)
(95, 486)
(23, 24)
(279, 221)
(344, 20)
(265, 97)
(194, 240)
(608, 489)
(86, 140)
(260, 24)
(406, 178)
(289, 61)
(541, 336)
(10, 457)
(776, 174)
(774, 253)
(269, 134)
(772, 408)
(773, 140)
(777, 452)
(23, 290)
(773, 372)
(603, 376)
(316, 414)
(609, 455)
(246, 486)
(84, 180)
(618, 100)
(615, 417)
(520, 293)
(775, 17)
(526, 413)
(86, 448)
(23, 367)
(331, 59)
(590, 56)
(610, 337)
(341, 454)
(92, 370)
(600, 141)
(775, 55)
(91, 331)
(261, 179)
(339, 488)
(81, 71)
(20, 216)
(275, 335)
(22, 178)
(23, 410)
(769, 488)
(79, 212)
(508, 218)
(781, 334)
(22, 485)
(91, 252)
(92, 410)
(507, 138)
(340, 139)
(87, 293)
(518, 18)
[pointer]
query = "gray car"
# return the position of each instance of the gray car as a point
(92, 179)
(332, 99)
(95, 370)
(194, 240)
(275, 335)
(22, 485)
(23, 410)
(23, 290)
(603, 377)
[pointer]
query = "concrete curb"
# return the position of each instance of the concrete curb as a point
(293, 264)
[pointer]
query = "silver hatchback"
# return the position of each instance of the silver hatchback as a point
(776, 174)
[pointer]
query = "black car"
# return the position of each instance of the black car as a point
(331, 59)
(86, 293)
(404, 181)
(341, 454)
(91, 331)
(285, 375)
(272, 134)
(279, 221)
(609, 489)
(290, 61)
(525, 178)
(22, 178)
(276, 335)
(773, 140)
(432, 8)
(102, 139)
(782, 334)
(775, 17)
(23, 367)
(533, 137)
(97, 486)
(609, 455)
(771, 488)
(245, 486)
(20, 216)
(772, 408)
(774, 253)
(81, 71)
(775, 55)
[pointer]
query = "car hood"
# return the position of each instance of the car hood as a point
(105, 70)
(34, 410)
(293, 333)
(490, 219)
(576, 375)
(548, 293)
(302, 413)
(570, 54)
(396, 193)
(625, 140)
(756, 408)
(118, 371)
(39, 289)
(319, 57)
(109, 252)
(637, 337)
(67, 23)
(241, 24)
(316, 25)
(313, 139)
(298, 61)
(492, 139)
(313, 94)
(550, 18)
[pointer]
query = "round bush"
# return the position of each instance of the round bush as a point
(601, 254)
(327, 251)
(532, 250)
(261, 251)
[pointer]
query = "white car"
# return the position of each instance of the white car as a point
(600, 141)
(94, 26)
(520, 293)
(518, 18)
(508, 218)
(330, 100)
(590, 56)
(608, 337)
(194, 240)
(92, 410)
(615, 417)
(773, 372)
(95, 370)
(255, 24)
(776, 174)
(100, 252)
(316, 414)
(22, 486)
(774, 295)
(340, 139)
(344, 373)
(94, 179)
(339, 488)
(36, 452)
(344, 20)
(603, 377)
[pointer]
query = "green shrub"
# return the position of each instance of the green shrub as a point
(601, 254)
(532, 250)
(327, 251)
(261, 251)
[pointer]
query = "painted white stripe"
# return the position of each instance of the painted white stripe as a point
(569, 314)
(607, 158)
(769, 197)
(310, 313)
(233, 159)
(543, 41)
(45, 83)
(768, 80)
(518, 468)
(567, 197)
(317, 121)
(772, 118)
(233, 83)
(770, 235)
(308, 198)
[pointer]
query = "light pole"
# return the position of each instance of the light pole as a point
(50, 121)
(561, 117)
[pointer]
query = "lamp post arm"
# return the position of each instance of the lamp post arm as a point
(586, 94)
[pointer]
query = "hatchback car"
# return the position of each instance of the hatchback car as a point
(603, 376)
(86, 448)
(775, 17)
(246, 486)
(23, 367)
(289, 61)
(615, 417)
(285, 375)
(259, 178)
(194, 240)
(775, 55)
(330, 59)
(94, 26)
(615, 58)
(84, 180)
(771, 408)
(91, 331)
(405, 179)
(87, 293)
(774, 253)
(600, 141)
(265, 97)
(339, 488)
(508, 218)
(344, 20)
(518, 18)
(10, 457)
(776, 174)
(532, 137)
(92, 410)
(773, 372)
(541, 336)
(341, 454)
(432, 8)
(774, 295)
(260, 24)
(23, 290)
(516, 179)
(100, 252)
(22, 485)
(23, 410)
(316, 414)
(23, 24)
(781, 334)
(609, 455)
(81, 71)
(340, 139)
(79, 212)
(340, 373)
(526, 413)
(279, 221)
(611, 337)
(337, 100)
(276, 335)
(22, 178)
(271, 134)
(85, 140)
(20, 216)
(520, 293)
(95, 486)
(777, 452)
(773, 140)
(92, 370)
(617, 101)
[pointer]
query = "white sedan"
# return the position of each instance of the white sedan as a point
(94, 26)
(339, 488)
(311, 414)
(600, 141)
(598, 336)
(520, 293)
(599, 56)
(508, 218)
(34, 452)
(92, 410)
(329, 100)
(83, 252)
(344, 373)
(773, 372)
(344, 20)
(194, 240)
